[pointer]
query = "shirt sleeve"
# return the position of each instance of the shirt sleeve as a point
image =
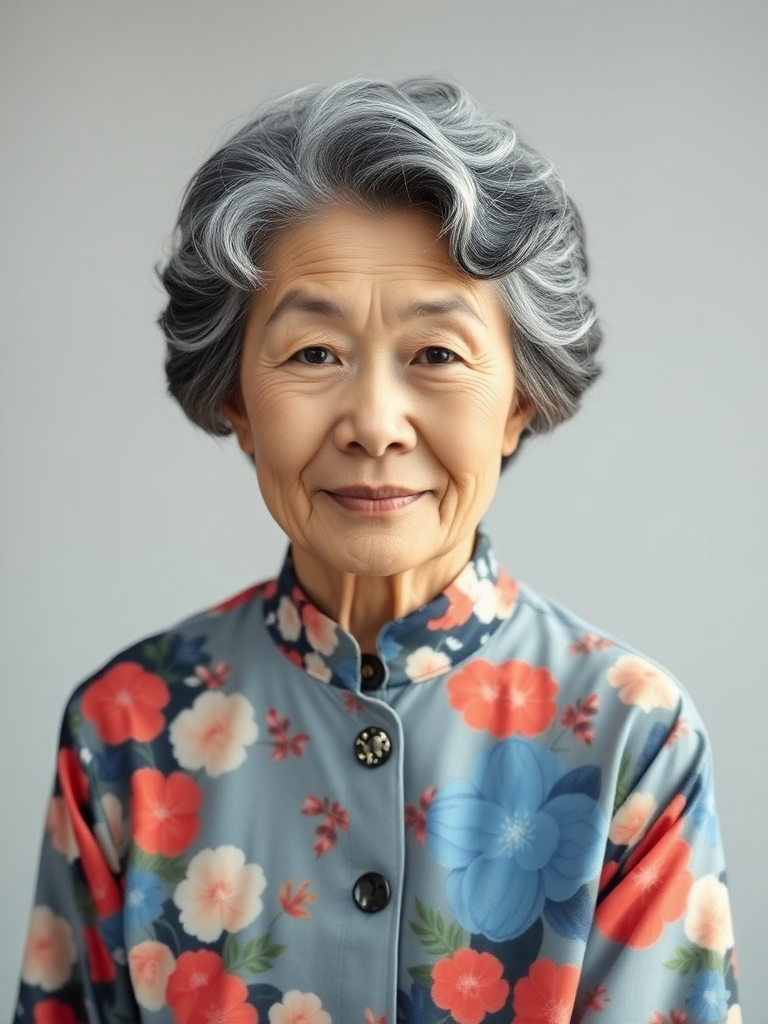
(73, 966)
(660, 950)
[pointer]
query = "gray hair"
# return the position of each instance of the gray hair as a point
(421, 142)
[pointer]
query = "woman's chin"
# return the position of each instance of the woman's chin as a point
(375, 557)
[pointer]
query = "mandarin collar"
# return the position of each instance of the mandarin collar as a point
(413, 649)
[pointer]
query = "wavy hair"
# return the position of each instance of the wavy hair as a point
(423, 142)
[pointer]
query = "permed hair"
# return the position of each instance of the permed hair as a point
(422, 142)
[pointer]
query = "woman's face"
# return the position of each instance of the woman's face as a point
(377, 392)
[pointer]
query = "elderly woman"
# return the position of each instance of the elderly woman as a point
(390, 784)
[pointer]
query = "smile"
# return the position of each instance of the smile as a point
(374, 500)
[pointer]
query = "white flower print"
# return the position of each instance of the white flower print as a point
(50, 951)
(288, 619)
(631, 820)
(150, 964)
(316, 667)
(214, 733)
(426, 662)
(467, 581)
(220, 893)
(321, 632)
(640, 682)
(299, 1008)
(59, 824)
(708, 919)
(486, 602)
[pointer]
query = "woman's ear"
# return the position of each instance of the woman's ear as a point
(234, 410)
(520, 415)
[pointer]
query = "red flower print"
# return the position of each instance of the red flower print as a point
(372, 1018)
(265, 589)
(320, 630)
(352, 703)
(459, 610)
(506, 595)
(77, 780)
(200, 991)
(51, 1011)
(680, 728)
(293, 903)
(588, 643)
(504, 699)
(314, 805)
(125, 704)
(609, 871)
(213, 678)
(291, 655)
(282, 744)
(416, 817)
(547, 994)
(596, 998)
(670, 816)
(652, 893)
(104, 889)
(100, 965)
(335, 818)
(164, 811)
(578, 718)
(469, 985)
(678, 1017)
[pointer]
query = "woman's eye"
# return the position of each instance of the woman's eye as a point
(315, 355)
(436, 355)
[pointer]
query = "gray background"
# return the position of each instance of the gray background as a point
(646, 514)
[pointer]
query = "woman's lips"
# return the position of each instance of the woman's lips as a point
(374, 500)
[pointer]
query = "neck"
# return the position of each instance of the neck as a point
(363, 604)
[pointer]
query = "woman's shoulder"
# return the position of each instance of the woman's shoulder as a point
(189, 651)
(592, 665)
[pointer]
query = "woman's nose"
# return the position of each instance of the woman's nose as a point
(375, 417)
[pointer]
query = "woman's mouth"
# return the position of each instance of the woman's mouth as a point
(374, 500)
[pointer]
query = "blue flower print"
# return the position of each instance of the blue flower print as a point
(144, 898)
(521, 834)
(702, 807)
(387, 646)
(186, 654)
(709, 997)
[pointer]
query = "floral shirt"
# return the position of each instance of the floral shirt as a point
(504, 815)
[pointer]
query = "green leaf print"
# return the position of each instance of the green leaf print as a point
(436, 936)
(422, 975)
(693, 958)
(255, 957)
(155, 653)
(622, 783)
(168, 869)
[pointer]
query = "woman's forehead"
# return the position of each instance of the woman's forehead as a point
(343, 256)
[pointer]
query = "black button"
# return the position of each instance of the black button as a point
(372, 747)
(371, 892)
(371, 671)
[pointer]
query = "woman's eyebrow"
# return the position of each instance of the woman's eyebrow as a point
(300, 301)
(439, 307)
